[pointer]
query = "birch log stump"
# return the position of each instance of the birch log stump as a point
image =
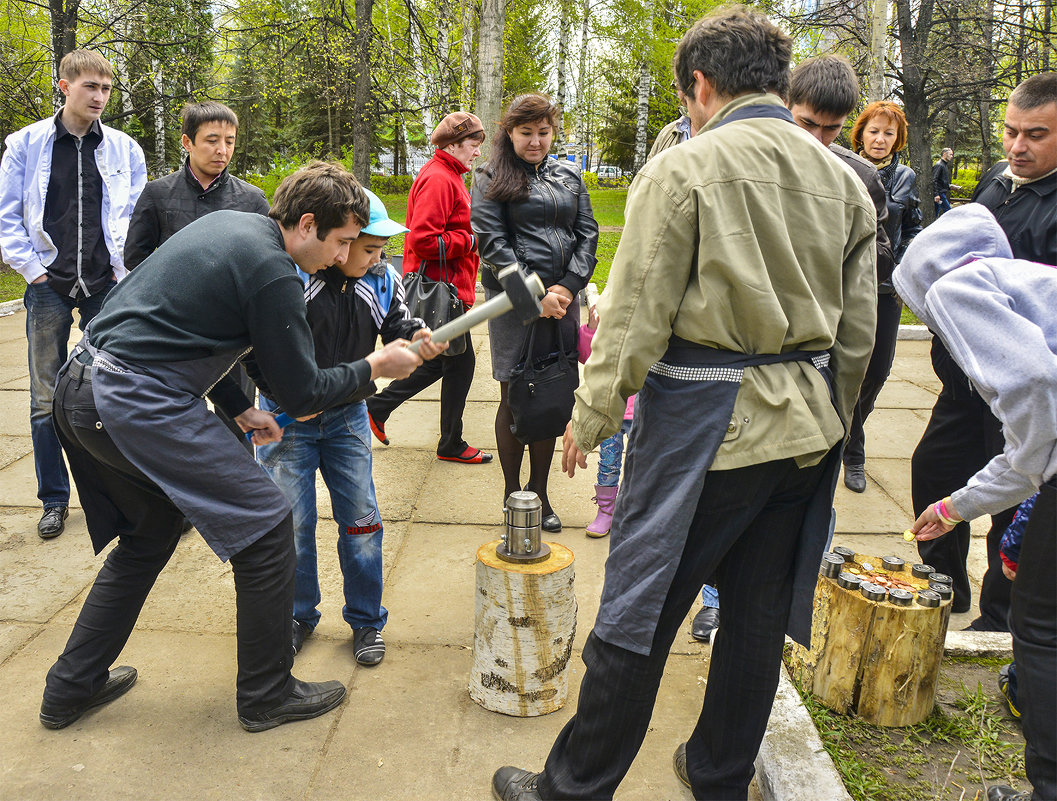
(524, 624)
(874, 658)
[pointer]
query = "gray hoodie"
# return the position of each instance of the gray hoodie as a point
(996, 316)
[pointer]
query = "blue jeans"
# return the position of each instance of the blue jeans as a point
(49, 318)
(943, 206)
(338, 443)
(609, 456)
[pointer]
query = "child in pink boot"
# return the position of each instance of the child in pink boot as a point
(610, 451)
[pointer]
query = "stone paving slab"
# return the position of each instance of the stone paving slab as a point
(14, 412)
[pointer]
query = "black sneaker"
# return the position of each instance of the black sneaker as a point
(368, 646)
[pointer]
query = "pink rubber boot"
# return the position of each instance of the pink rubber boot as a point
(605, 497)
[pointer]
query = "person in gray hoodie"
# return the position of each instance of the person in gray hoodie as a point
(995, 315)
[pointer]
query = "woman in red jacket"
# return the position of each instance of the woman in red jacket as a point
(438, 214)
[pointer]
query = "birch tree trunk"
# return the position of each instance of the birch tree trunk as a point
(878, 45)
(583, 90)
(466, 59)
(418, 58)
(563, 59)
(159, 120)
(489, 105)
(642, 114)
(443, 65)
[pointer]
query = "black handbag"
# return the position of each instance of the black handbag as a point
(540, 391)
(436, 302)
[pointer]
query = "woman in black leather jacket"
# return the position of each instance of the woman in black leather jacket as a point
(879, 134)
(533, 210)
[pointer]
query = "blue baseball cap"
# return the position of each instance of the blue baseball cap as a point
(379, 223)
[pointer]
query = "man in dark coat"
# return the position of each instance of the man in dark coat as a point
(941, 181)
(963, 435)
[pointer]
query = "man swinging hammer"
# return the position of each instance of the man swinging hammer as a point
(144, 450)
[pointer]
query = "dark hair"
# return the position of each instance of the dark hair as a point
(325, 190)
(509, 178)
(738, 50)
(1038, 90)
(880, 108)
(195, 115)
(827, 84)
(79, 62)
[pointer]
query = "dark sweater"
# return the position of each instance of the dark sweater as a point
(223, 284)
(173, 202)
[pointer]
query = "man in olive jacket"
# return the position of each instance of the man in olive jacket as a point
(744, 300)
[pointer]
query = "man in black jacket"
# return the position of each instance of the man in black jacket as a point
(202, 185)
(941, 181)
(963, 435)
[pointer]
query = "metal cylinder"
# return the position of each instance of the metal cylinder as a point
(900, 597)
(941, 578)
(942, 590)
(873, 592)
(831, 565)
(892, 563)
(849, 581)
(847, 554)
(928, 598)
(922, 571)
(521, 536)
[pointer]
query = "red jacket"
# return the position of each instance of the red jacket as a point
(439, 205)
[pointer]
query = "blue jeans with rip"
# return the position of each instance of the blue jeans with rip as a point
(337, 442)
(49, 318)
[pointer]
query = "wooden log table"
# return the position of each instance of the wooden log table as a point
(877, 634)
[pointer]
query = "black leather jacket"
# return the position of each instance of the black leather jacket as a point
(554, 232)
(1028, 216)
(904, 209)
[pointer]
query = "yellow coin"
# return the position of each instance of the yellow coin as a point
(908, 535)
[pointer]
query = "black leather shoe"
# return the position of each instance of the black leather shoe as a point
(705, 623)
(679, 763)
(514, 784)
(301, 632)
(59, 716)
(551, 523)
(1000, 792)
(855, 477)
(368, 647)
(307, 700)
(52, 522)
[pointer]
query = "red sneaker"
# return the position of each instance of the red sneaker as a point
(378, 430)
(468, 456)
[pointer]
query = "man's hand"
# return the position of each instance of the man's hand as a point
(937, 199)
(571, 454)
(393, 361)
(262, 424)
(428, 349)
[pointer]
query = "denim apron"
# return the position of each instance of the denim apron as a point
(682, 415)
(157, 416)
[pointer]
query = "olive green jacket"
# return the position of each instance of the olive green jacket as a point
(750, 238)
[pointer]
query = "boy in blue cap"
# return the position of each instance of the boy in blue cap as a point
(349, 304)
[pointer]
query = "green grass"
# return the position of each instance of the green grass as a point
(12, 285)
(906, 317)
(608, 205)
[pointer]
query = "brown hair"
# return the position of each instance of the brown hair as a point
(827, 84)
(738, 49)
(1038, 90)
(325, 190)
(509, 178)
(880, 108)
(78, 62)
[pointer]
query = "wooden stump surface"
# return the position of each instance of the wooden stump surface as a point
(873, 659)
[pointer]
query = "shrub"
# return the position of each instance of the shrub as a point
(391, 184)
(966, 182)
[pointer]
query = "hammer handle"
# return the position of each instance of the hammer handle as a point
(483, 312)
(282, 420)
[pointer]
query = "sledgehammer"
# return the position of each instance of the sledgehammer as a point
(522, 294)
